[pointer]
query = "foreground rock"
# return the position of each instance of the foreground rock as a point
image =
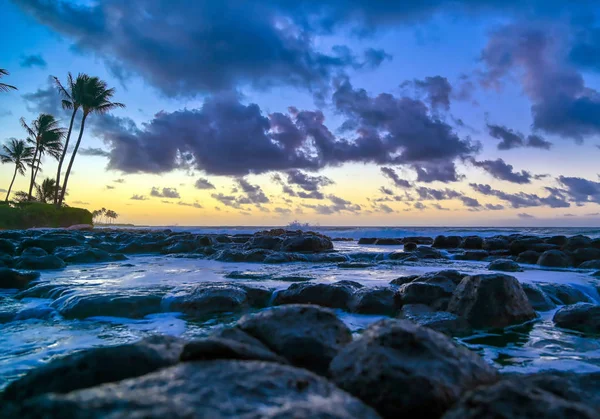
(213, 347)
(583, 317)
(212, 389)
(307, 336)
(404, 370)
(336, 295)
(93, 367)
(493, 300)
(523, 398)
(10, 278)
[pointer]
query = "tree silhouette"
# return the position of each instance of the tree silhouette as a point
(3, 86)
(18, 153)
(46, 191)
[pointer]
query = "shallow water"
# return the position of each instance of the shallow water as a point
(40, 333)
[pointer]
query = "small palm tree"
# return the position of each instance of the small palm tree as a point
(71, 99)
(95, 98)
(45, 192)
(5, 87)
(47, 137)
(18, 153)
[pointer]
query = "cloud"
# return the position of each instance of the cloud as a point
(503, 171)
(435, 90)
(386, 191)
(95, 152)
(511, 139)
(420, 206)
(524, 215)
(311, 195)
(33, 60)
(437, 194)
(385, 208)
(391, 173)
(439, 207)
(193, 204)
(170, 193)
(338, 205)
(494, 207)
(254, 194)
(110, 187)
(283, 211)
(470, 202)
(581, 190)
(203, 183)
(119, 180)
(523, 200)
(306, 182)
(138, 198)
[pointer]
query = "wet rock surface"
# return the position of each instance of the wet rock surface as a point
(336, 295)
(583, 317)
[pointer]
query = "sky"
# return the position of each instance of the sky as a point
(331, 112)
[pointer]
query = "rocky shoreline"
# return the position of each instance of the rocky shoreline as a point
(290, 355)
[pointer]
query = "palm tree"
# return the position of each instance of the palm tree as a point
(71, 99)
(45, 192)
(18, 153)
(5, 87)
(46, 136)
(95, 98)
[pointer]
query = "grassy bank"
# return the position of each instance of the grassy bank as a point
(28, 215)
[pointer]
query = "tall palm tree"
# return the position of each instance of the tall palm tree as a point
(20, 154)
(46, 136)
(5, 87)
(45, 192)
(71, 99)
(95, 98)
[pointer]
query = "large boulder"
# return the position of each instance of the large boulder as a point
(404, 370)
(440, 321)
(49, 242)
(336, 295)
(40, 262)
(472, 242)
(492, 300)
(495, 243)
(307, 243)
(307, 336)
(207, 299)
(585, 254)
(422, 293)
(129, 303)
(583, 317)
(213, 347)
(375, 300)
(472, 255)
(564, 294)
(210, 389)
(576, 242)
(554, 259)
(97, 366)
(517, 398)
(10, 278)
(538, 298)
(447, 242)
(388, 242)
(265, 242)
(529, 256)
(504, 265)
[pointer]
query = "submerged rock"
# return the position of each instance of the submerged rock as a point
(336, 295)
(97, 366)
(40, 262)
(554, 259)
(128, 304)
(492, 300)
(583, 317)
(10, 278)
(307, 336)
(504, 265)
(404, 370)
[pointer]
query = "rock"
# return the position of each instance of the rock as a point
(537, 298)
(529, 256)
(576, 242)
(515, 398)
(522, 244)
(585, 254)
(410, 247)
(564, 294)
(126, 304)
(472, 242)
(307, 336)
(451, 274)
(554, 259)
(7, 246)
(472, 255)
(491, 300)
(141, 246)
(223, 239)
(504, 265)
(328, 258)
(590, 264)
(92, 367)
(583, 317)
(495, 243)
(182, 246)
(236, 389)
(212, 348)
(33, 252)
(404, 279)
(234, 255)
(265, 242)
(425, 252)
(40, 262)
(557, 240)
(83, 254)
(404, 370)
(388, 242)
(440, 321)
(376, 300)
(422, 293)
(10, 278)
(307, 243)
(367, 240)
(280, 257)
(50, 242)
(205, 241)
(450, 242)
(336, 295)
(418, 240)
(207, 298)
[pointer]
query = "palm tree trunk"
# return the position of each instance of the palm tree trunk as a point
(33, 172)
(11, 183)
(64, 188)
(62, 157)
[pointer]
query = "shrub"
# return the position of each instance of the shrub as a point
(34, 214)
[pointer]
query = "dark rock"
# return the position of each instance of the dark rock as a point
(557, 240)
(472, 242)
(583, 317)
(97, 366)
(265, 242)
(537, 298)
(590, 264)
(205, 241)
(307, 336)
(585, 254)
(440, 321)
(328, 258)
(141, 246)
(523, 244)
(210, 389)
(10, 278)
(223, 239)
(495, 243)
(51, 242)
(410, 246)
(425, 252)
(472, 255)
(33, 252)
(529, 256)
(516, 398)
(367, 240)
(234, 255)
(450, 242)
(418, 240)
(83, 254)
(577, 242)
(40, 262)
(307, 243)
(404, 370)
(336, 295)
(183, 246)
(376, 300)
(564, 294)
(504, 265)
(554, 259)
(422, 293)
(451, 274)
(212, 348)
(7, 246)
(492, 300)
(388, 242)
(404, 280)
(127, 304)
(208, 298)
